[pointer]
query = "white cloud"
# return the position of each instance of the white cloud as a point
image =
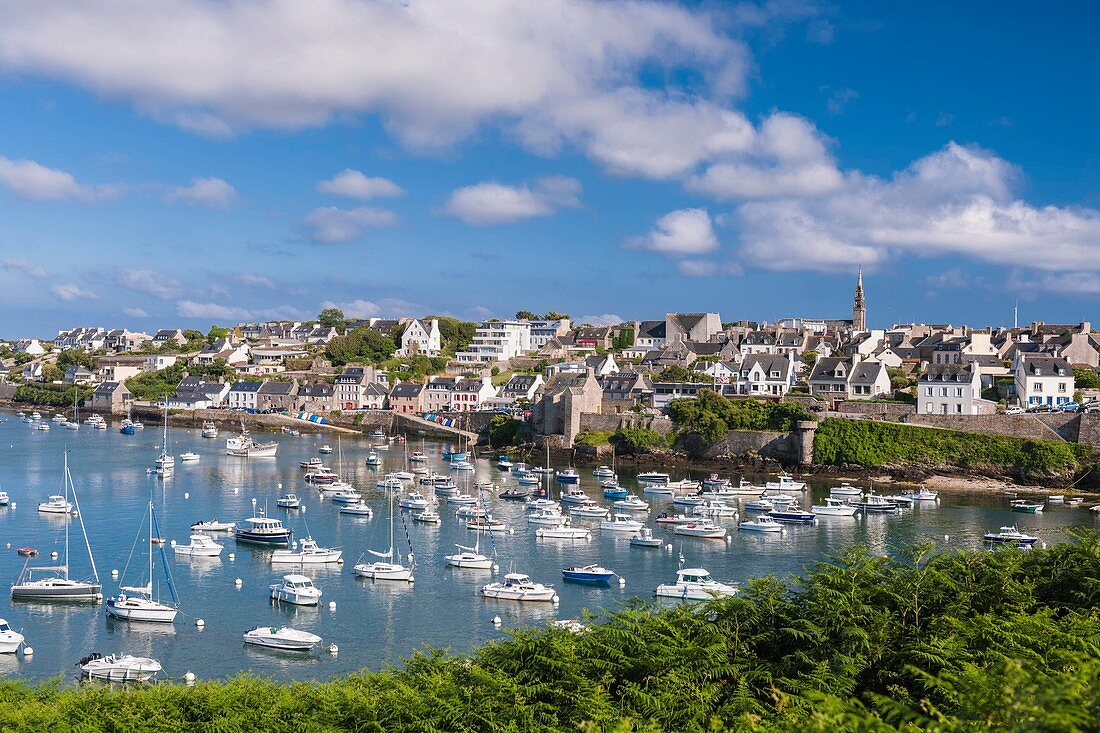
(383, 307)
(136, 312)
(255, 281)
(956, 201)
(71, 291)
(147, 281)
(495, 203)
(605, 319)
(332, 225)
(20, 264)
(680, 233)
(193, 309)
(211, 192)
(355, 185)
(30, 180)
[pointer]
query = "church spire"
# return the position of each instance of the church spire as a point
(859, 305)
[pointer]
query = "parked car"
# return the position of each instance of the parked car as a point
(1017, 410)
(1040, 408)
(1067, 407)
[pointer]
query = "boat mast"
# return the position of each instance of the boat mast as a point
(68, 513)
(83, 530)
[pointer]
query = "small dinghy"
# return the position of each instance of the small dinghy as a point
(213, 526)
(645, 538)
(284, 638)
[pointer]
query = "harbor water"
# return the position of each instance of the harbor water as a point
(374, 623)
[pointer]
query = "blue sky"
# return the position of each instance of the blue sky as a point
(192, 162)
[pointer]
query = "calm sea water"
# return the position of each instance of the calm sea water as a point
(374, 623)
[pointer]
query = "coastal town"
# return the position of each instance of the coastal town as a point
(559, 375)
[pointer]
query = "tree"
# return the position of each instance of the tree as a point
(52, 373)
(677, 373)
(555, 316)
(68, 357)
(332, 318)
(362, 344)
(624, 339)
(526, 316)
(809, 357)
(454, 335)
(1085, 378)
(215, 333)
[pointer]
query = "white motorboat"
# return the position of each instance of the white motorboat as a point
(403, 475)
(785, 483)
(703, 529)
(695, 584)
(654, 477)
(417, 457)
(1056, 499)
(658, 490)
(245, 446)
(10, 639)
(262, 530)
(563, 532)
(461, 499)
(43, 426)
(373, 459)
(389, 482)
(573, 496)
(471, 511)
(58, 586)
(311, 463)
(325, 449)
(834, 508)
(714, 483)
(359, 510)
(685, 484)
(759, 505)
(296, 589)
(413, 500)
(213, 525)
(603, 472)
(504, 463)
(621, 523)
(428, 516)
(645, 538)
(923, 494)
(139, 603)
(528, 479)
(4, 498)
(760, 524)
(518, 587)
(715, 508)
(209, 430)
(1010, 536)
(462, 466)
(689, 500)
(487, 524)
(189, 457)
(119, 667)
(539, 504)
(547, 517)
(347, 497)
(283, 637)
(56, 504)
(289, 501)
(201, 545)
(674, 519)
(846, 489)
(631, 504)
(590, 509)
(308, 553)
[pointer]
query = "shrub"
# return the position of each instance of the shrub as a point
(712, 416)
(505, 430)
(637, 440)
(593, 438)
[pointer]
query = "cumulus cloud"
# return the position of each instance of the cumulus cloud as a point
(361, 308)
(680, 233)
(496, 203)
(20, 264)
(333, 225)
(605, 319)
(71, 291)
(254, 281)
(136, 312)
(355, 185)
(211, 192)
(193, 309)
(30, 180)
(957, 201)
(147, 281)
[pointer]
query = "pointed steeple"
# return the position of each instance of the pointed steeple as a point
(859, 305)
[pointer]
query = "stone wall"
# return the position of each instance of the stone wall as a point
(1049, 427)
(610, 423)
(1088, 429)
(778, 446)
(892, 411)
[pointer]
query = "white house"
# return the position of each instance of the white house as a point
(1043, 380)
(497, 341)
(156, 362)
(543, 331)
(952, 389)
(32, 372)
(32, 347)
(243, 395)
(420, 337)
(765, 374)
(469, 394)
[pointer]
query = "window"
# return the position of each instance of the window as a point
(928, 391)
(958, 392)
(929, 407)
(1062, 387)
(958, 408)
(943, 391)
(1038, 386)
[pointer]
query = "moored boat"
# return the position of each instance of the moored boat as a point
(284, 638)
(297, 590)
(1010, 536)
(519, 587)
(596, 574)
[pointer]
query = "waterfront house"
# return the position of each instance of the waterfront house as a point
(1041, 379)
(765, 375)
(273, 395)
(317, 397)
(196, 392)
(243, 396)
(666, 392)
(111, 397)
(497, 341)
(350, 386)
(76, 374)
(420, 336)
(407, 397)
(651, 335)
(521, 388)
(169, 335)
(224, 350)
(952, 389)
(437, 394)
(623, 391)
(30, 346)
(563, 400)
(32, 372)
(469, 394)
(156, 362)
(592, 337)
(543, 331)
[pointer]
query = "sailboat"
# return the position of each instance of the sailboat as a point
(471, 557)
(165, 461)
(546, 470)
(136, 603)
(74, 424)
(60, 587)
(385, 568)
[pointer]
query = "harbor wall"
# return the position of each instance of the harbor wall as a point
(598, 422)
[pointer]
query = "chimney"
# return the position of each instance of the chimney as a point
(1086, 327)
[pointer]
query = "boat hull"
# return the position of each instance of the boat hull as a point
(148, 613)
(70, 591)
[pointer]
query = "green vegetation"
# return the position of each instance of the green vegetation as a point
(51, 394)
(215, 333)
(809, 357)
(638, 440)
(555, 316)
(505, 430)
(711, 416)
(593, 438)
(677, 373)
(454, 335)
(153, 386)
(951, 642)
(52, 373)
(526, 316)
(624, 339)
(1084, 378)
(68, 357)
(869, 443)
(360, 345)
(332, 318)
(414, 368)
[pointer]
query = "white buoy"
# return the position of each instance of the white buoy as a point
(28, 651)
(54, 554)
(238, 582)
(512, 531)
(232, 556)
(172, 543)
(302, 510)
(236, 491)
(200, 623)
(333, 649)
(729, 539)
(668, 547)
(280, 487)
(114, 572)
(187, 495)
(1044, 544)
(495, 567)
(947, 538)
(294, 544)
(189, 678)
(622, 581)
(495, 620)
(332, 605)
